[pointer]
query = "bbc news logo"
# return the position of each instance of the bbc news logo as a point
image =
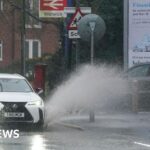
(9, 134)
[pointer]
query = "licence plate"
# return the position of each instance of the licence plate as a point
(13, 114)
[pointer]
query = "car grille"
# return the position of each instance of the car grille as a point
(15, 107)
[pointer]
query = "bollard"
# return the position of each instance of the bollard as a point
(92, 116)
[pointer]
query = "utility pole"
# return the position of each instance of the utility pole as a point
(77, 41)
(23, 39)
(68, 42)
(92, 26)
(125, 42)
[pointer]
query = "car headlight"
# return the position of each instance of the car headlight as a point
(35, 103)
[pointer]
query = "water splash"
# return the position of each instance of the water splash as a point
(88, 88)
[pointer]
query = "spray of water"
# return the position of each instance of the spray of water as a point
(88, 88)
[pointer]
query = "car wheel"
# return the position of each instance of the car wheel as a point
(39, 126)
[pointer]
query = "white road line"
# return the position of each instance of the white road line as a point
(71, 126)
(142, 144)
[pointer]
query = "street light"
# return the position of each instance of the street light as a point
(92, 27)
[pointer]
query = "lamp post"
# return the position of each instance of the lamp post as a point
(92, 27)
(67, 41)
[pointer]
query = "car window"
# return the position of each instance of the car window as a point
(14, 85)
(140, 71)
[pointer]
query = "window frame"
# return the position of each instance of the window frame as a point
(1, 5)
(30, 53)
(1, 50)
(31, 23)
(143, 69)
(29, 26)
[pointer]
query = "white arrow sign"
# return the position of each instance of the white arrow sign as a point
(53, 3)
(52, 8)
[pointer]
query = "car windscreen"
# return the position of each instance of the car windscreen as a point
(139, 71)
(14, 85)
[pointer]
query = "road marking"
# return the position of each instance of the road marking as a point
(142, 144)
(71, 126)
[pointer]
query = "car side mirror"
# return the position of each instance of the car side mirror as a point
(39, 91)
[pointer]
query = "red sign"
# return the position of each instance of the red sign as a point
(75, 19)
(53, 5)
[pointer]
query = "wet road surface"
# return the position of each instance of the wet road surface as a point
(109, 132)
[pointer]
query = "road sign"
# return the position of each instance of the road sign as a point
(74, 20)
(94, 23)
(73, 34)
(72, 10)
(52, 8)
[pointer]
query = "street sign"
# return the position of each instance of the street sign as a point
(75, 19)
(72, 10)
(73, 34)
(52, 8)
(94, 23)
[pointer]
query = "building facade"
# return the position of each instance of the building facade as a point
(40, 38)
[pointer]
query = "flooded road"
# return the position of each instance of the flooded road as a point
(109, 132)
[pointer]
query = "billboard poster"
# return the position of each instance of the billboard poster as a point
(138, 32)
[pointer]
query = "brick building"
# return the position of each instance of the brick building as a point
(40, 38)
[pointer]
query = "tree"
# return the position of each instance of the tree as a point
(56, 70)
(110, 48)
